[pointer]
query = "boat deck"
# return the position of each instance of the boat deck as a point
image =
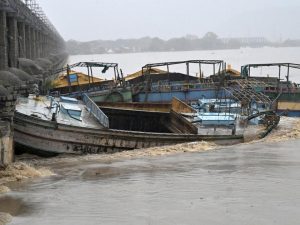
(40, 108)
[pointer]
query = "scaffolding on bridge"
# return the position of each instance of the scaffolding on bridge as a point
(19, 7)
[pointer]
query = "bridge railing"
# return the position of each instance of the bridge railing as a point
(26, 9)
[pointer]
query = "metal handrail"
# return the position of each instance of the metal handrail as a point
(96, 111)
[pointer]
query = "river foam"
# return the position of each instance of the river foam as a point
(4, 189)
(288, 128)
(5, 218)
(20, 171)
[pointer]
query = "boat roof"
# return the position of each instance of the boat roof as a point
(140, 73)
(209, 62)
(39, 107)
(85, 64)
(62, 80)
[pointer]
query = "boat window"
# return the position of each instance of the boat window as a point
(73, 78)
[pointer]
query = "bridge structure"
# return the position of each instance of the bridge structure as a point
(26, 35)
(25, 32)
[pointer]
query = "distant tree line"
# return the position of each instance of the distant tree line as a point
(210, 41)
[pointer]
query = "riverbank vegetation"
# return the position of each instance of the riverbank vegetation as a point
(210, 41)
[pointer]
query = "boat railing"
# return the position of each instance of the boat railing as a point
(180, 87)
(95, 110)
(283, 90)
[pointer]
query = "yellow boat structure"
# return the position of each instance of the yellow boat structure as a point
(77, 81)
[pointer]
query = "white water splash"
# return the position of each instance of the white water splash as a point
(21, 171)
(5, 218)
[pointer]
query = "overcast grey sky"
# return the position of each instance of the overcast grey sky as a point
(86, 20)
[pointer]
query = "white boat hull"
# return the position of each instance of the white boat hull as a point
(47, 136)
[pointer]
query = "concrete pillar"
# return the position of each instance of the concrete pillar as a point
(7, 109)
(3, 41)
(37, 34)
(13, 50)
(42, 45)
(47, 43)
(45, 46)
(28, 41)
(22, 40)
(37, 44)
(33, 47)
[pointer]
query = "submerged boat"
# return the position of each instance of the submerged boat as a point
(66, 125)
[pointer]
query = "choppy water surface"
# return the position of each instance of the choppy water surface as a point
(200, 183)
(256, 183)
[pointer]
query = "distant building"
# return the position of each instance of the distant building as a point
(247, 41)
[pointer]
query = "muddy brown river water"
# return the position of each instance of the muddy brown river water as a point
(199, 183)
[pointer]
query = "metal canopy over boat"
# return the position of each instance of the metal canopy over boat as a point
(89, 65)
(215, 63)
(284, 92)
(86, 64)
(246, 69)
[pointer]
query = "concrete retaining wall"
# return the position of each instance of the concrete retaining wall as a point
(6, 143)
(7, 108)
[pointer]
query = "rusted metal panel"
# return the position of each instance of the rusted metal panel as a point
(181, 107)
(153, 107)
(181, 124)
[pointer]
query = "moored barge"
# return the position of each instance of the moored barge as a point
(42, 126)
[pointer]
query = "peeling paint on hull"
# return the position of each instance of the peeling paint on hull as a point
(48, 136)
